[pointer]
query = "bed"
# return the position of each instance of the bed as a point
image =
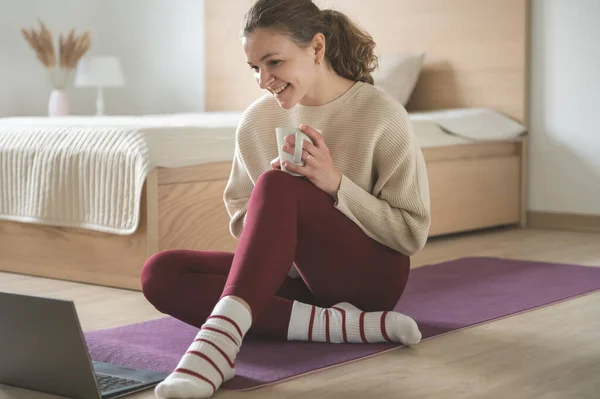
(475, 181)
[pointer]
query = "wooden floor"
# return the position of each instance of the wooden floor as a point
(553, 352)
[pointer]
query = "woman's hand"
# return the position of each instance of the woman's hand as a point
(275, 164)
(319, 167)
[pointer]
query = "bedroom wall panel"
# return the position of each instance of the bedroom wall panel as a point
(475, 50)
(565, 99)
(160, 44)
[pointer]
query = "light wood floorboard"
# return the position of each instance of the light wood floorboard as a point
(553, 352)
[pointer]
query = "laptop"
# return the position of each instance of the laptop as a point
(42, 348)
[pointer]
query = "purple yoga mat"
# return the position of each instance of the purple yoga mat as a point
(441, 298)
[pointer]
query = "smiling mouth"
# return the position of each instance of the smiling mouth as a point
(281, 89)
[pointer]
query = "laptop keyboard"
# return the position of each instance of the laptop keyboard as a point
(108, 382)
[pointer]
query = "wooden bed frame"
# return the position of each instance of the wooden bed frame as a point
(472, 186)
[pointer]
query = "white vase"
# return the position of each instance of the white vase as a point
(58, 105)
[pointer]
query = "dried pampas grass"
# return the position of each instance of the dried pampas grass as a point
(70, 50)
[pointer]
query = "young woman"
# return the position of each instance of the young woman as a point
(323, 257)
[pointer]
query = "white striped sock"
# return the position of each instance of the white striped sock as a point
(344, 323)
(209, 360)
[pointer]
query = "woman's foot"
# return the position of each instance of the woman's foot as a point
(209, 360)
(345, 323)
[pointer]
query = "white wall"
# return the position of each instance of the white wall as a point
(160, 43)
(565, 107)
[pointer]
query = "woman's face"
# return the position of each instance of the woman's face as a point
(280, 66)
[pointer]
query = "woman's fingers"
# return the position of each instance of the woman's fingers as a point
(314, 135)
(276, 164)
(307, 145)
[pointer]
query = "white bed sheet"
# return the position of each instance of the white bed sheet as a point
(178, 140)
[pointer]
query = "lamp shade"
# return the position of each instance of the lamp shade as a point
(99, 72)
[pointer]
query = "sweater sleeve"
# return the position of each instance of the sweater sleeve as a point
(397, 212)
(237, 194)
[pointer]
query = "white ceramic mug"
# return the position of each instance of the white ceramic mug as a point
(296, 158)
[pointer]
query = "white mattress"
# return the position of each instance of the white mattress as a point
(88, 172)
(173, 141)
(178, 140)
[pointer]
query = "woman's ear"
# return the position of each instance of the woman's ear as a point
(318, 45)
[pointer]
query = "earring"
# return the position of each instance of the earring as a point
(317, 62)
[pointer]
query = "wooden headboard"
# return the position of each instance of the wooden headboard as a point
(476, 50)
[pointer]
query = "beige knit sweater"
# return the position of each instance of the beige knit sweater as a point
(384, 187)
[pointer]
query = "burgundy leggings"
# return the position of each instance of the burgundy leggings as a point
(289, 220)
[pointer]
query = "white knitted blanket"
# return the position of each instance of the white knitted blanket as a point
(75, 176)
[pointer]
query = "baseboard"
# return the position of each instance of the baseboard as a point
(563, 221)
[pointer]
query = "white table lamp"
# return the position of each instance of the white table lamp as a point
(99, 72)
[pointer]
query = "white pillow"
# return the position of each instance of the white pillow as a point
(482, 124)
(397, 74)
